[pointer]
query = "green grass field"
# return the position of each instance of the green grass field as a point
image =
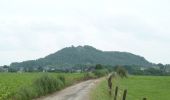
(151, 87)
(11, 82)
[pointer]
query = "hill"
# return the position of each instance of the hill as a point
(85, 55)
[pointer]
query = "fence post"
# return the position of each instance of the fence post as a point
(116, 92)
(110, 84)
(124, 94)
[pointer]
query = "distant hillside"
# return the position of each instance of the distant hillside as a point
(85, 55)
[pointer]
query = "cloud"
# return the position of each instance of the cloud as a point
(34, 29)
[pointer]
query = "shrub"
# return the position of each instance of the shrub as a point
(47, 84)
(100, 73)
(41, 86)
(98, 67)
(89, 75)
(121, 71)
(62, 78)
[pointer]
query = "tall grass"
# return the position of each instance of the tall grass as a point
(46, 84)
(25, 86)
(100, 92)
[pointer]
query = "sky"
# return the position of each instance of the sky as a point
(31, 29)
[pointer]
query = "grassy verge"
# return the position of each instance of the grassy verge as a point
(100, 92)
(151, 87)
(26, 86)
(47, 84)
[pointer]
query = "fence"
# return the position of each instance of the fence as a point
(117, 88)
(124, 94)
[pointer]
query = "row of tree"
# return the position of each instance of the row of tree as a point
(158, 69)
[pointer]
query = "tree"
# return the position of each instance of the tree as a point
(5, 66)
(98, 66)
(121, 71)
(162, 68)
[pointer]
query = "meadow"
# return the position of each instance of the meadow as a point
(10, 83)
(138, 87)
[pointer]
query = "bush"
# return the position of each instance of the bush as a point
(41, 86)
(89, 75)
(100, 73)
(47, 84)
(98, 67)
(62, 78)
(121, 71)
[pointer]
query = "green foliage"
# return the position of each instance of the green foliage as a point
(100, 92)
(11, 82)
(121, 71)
(86, 55)
(24, 93)
(100, 73)
(98, 67)
(62, 78)
(151, 87)
(89, 75)
(42, 86)
(152, 71)
(47, 84)
(23, 86)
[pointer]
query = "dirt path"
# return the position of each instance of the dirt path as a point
(79, 91)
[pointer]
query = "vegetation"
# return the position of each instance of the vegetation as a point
(157, 70)
(138, 87)
(24, 86)
(121, 71)
(83, 56)
(101, 72)
(41, 86)
(89, 75)
(9, 82)
(92, 63)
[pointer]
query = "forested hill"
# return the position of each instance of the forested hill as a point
(85, 55)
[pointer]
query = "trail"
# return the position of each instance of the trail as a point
(79, 91)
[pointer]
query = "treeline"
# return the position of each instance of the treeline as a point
(158, 69)
(72, 68)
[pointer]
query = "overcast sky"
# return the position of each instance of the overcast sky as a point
(30, 29)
